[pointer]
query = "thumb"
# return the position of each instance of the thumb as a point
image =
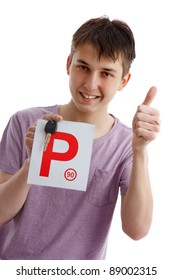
(150, 96)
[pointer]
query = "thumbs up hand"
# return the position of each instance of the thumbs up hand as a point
(146, 122)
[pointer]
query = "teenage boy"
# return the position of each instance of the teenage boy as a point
(39, 222)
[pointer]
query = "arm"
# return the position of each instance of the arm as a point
(13, 192)
(137, 203)
(14, 188)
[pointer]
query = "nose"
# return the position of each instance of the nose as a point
(91, 82)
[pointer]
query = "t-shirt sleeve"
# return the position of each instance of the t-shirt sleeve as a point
(12, 147)
(125, 176)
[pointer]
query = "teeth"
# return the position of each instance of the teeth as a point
(88, 96)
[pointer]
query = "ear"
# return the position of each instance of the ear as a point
(68, 64)
(124, 81)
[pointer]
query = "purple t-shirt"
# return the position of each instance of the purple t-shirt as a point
(63, 224)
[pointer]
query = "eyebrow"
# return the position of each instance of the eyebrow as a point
(104, 69)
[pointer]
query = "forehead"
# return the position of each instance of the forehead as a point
(89, 54)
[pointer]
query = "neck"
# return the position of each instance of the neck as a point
(102, 120)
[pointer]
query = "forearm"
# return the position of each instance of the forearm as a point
(13, 194)
(137, 204)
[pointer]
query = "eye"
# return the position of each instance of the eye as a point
(82, 67)
(107, 74)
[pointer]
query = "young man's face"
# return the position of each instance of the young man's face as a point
(93, 83)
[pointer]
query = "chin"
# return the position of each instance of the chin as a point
(85, 110)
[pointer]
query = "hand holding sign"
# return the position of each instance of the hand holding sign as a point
(29, 137)
(146, 122)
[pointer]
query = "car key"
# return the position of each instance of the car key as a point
(50, 128)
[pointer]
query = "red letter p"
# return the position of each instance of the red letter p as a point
(49, 155)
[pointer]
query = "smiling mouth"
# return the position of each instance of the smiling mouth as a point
(89, 97)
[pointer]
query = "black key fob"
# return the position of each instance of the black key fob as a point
(51, 126)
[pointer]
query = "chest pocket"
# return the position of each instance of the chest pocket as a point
(103, 189)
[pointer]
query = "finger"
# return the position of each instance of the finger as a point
(146, 134)
(32, 128)
(30, 135)
(149, 117)
(150, 96)
(148, 126)
(54, 117)
(29, 142)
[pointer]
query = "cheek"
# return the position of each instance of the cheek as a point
(74, 84)
(109, 89)
(110, 96)
(107, 96)
(74, 80)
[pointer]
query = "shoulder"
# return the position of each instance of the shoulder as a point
(115, 145)
(122, 129)
(35, 112)
(21, 120)
(119, 135)
(120, 132)
(27, 117)
(122, 137)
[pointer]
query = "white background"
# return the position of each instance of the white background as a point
(35, 38)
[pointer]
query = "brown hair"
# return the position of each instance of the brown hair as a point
(111, 39)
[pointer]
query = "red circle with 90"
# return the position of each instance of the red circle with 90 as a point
(70, 174)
